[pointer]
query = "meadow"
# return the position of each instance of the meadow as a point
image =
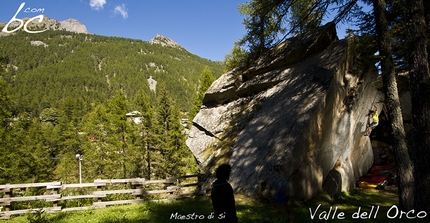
(361, 205)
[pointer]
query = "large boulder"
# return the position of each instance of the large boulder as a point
(298, 114)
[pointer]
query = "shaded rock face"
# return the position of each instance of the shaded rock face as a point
(293, 120)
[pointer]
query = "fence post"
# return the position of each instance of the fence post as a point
(99, 188)
(138, 185)
(55, 191)
(199, 183)
(202, 180)
(8, 194)
(177, 184)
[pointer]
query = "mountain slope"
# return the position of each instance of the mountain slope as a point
(51, 66)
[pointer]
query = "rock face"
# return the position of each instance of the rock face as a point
(164, 41)
(297, 115)
(73, 25)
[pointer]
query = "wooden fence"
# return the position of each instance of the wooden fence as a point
(20, 199)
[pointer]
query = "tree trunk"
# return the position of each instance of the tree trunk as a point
(420, 93)
(392, 102)
(148, 160)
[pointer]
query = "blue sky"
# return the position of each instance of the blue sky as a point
(207, 28)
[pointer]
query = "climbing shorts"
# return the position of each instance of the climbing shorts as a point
(373, 124)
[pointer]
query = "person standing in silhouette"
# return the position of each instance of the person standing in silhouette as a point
(222, 196)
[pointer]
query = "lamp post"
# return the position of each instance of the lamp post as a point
(79, 157)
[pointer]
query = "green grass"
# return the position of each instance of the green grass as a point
(248, 210)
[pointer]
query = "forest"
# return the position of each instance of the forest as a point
(64, 93)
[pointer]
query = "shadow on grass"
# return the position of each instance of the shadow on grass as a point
(200, 210)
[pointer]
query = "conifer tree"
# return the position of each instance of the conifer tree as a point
(306, 15)
(5, 128)
(143, 159)
(269, 22)
(170, 150)
(72, 143)
(96, 152)
(30, 157)
(114, 140)
(263, 22)
(5, 113)
(162, 126)
(205, 81)
(118, 133)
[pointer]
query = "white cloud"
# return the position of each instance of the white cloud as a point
(97, 4)
(120, 9)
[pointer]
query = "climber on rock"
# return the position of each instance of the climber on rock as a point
(373, 115)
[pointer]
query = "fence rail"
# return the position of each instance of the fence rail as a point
(137, 190)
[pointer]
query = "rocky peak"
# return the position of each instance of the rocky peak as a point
(164, 41)
(73, 25)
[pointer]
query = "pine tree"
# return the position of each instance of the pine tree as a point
(142, 161)
(96, 151)
(170, 153)
(118, 133)
(114, 140)
(5, 107)
(29, 158)
(205, 81)
(269, 22)
(306, 15)
(263, 22)
(163, 141)
(72, 143)
(5, 130)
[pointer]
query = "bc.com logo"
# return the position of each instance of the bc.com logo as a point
(21, 22)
